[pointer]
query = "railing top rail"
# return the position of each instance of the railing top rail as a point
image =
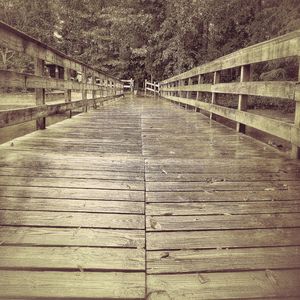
(21, 42)
(280, 47)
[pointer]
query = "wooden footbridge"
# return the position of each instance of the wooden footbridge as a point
(138, 198)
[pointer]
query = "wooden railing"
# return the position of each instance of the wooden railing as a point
(151, 87)
(181, 87)
(128, 84)
(65, 73)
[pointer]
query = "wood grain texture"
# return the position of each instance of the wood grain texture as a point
(70, 205)
(70, 219)
(222, 260)
(86, 258)
(223, 239)
(222, 208)
(71, 237)
(70, 285)
(225, 221)
(237, 285)
(77, 190)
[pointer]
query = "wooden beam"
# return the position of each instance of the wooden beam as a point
(17, 116)
(295, 135)
(243, 99)
(39, 92)
(283, 130)
(214, 95)
(14, 79)
(84, 91)
(284, 46)
(273, 89)
(20, 42)
(68, 92)
(194, 88)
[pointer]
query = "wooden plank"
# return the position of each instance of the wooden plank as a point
(223, 239)
(274, 89)
(25, 236)
(227, 207)
(70, 285)
(280, 47)
(214, 177)
(84, 183)
(231, 165)
(184, 261)
(222, 186)
(217, 196)
(71, 219)
(85, 258)
(235, 285)
(65, 173)
(71, 193)
(278, 89)
(74, 160)
(225, 221)
(50, 204)
(203, 87)
(27, 81)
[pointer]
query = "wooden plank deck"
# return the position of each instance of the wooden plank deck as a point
(142, 199)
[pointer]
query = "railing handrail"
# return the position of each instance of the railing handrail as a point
(288, 45)
(152, 87)
(289, 41)
(9, 34)
(92, 79)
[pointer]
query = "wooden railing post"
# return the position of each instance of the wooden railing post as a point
(131, 85)
(94, 92)
(68, 92)
(295, 148)
(180, 83)
(243, 99)
(84, 91)
(214, 95)
(190, 82)
(39, 65)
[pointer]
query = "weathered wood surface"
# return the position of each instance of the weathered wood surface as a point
(234, 285)
(283, 90)
(23, 43)
(217, 202)
(72, 219)
(286, 131)
(218, 212)
(280, 47)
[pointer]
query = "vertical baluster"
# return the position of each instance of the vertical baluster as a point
(243, 99)
(68, 92)
(214, 96)
(296, 132)
(39, 92)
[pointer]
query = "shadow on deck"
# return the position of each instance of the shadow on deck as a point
(217, 211)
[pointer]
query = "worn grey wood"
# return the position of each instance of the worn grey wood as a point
(70, 285)
(236, 285)
(78, 259)
(206, 207)
(159, 262)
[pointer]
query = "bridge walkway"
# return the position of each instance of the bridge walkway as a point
(142, 199)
